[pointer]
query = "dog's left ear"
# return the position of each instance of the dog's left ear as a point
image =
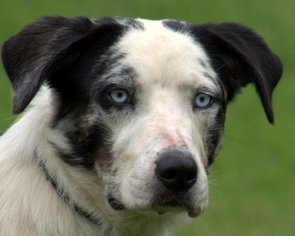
(240, 56)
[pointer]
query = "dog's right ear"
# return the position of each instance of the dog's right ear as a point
(31, 56)
(28, 56)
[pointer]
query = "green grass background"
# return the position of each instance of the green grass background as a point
(252, 183)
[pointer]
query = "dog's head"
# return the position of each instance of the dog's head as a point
(141, 103)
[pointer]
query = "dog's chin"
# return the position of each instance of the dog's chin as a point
(161, 207)
(193, 210)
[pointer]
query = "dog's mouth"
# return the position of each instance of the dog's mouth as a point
(177, 203)
(191, 211)
(115, 204)
(162, 206)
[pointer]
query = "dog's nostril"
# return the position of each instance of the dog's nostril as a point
(176, 170)
(169, 175)
(191, 176)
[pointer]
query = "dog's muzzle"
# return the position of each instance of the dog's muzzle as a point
(172, 188)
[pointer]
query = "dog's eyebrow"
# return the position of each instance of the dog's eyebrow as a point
(125, 76)
(207, 75)
(215, 86)
(202, 62)
(218, 88)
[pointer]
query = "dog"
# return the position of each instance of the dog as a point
(125, 118)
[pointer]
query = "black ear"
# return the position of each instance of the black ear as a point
(42, 47)
(29, 55)
(240, 56)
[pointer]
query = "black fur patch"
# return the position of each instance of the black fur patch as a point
(74, 82)
(28, 56)
(85, 143)
(176, 25)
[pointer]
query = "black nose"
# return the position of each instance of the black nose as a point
(177, 170)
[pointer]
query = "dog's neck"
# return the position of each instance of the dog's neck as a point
(60, 191)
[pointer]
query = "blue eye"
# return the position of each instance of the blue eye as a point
(119, 96)
(203, 100)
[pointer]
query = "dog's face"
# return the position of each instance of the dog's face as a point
(141, 103)
(164, 111)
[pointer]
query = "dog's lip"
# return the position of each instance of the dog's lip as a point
(194, 212)
(176, 206)
(115, 203)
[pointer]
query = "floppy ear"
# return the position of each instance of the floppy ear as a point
(42, 48)
(240, 56)
(29, 55)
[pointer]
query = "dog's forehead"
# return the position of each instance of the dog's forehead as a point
(159, 52)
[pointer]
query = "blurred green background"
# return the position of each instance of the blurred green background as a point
(252, 183)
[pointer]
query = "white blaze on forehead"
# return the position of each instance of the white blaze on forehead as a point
(161, 54)
(170, 66)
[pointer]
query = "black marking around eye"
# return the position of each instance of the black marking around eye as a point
(121, 77)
